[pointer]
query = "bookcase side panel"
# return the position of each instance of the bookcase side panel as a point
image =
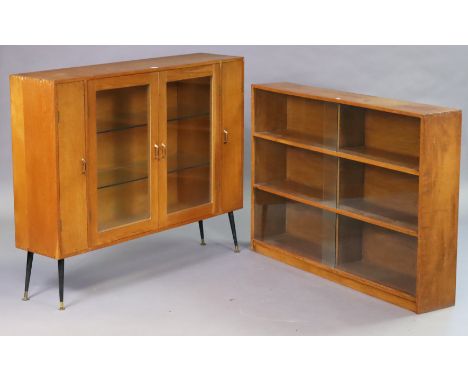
(438, 210)
(232, 124)
(19, 163)
(39, 147)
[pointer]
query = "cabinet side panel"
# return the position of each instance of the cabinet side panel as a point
(19, 163)
(232, 121)
(71, 135)
(40, 145)
(438, 211)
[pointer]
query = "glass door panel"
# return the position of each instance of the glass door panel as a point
(123, 166)
(189, 119)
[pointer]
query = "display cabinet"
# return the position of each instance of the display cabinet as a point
(357, 189)
(108, 153)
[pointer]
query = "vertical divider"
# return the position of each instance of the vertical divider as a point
(337, 196)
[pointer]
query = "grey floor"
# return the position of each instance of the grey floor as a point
(167, 284)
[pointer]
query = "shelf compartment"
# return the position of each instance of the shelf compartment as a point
(189, 144)
(295, 171)
(296, 119)
(188, 98)
(378, 194)
(380, 138)
(110, 177)
(122, 108)
(123, 204)
(377, 254)
(123, 131)
(306, 231)
(188, 187)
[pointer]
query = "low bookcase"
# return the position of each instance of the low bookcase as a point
(360, 190)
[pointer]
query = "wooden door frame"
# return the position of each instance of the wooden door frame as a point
(114, 234)
(213, 71)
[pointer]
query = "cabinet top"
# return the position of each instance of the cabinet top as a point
(128, 67)
(371, 102)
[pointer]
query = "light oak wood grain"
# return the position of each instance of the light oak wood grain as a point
(395, 177)
(56, 124)
(72, 169)
(35, 163)
(232, 125)
(438, 212)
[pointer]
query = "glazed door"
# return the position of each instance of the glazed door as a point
(188, 121)
(122, 172)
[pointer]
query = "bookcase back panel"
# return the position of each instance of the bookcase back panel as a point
(315, 171)
(270, 111)
(315, 120)
(391, 132)
(123, 134)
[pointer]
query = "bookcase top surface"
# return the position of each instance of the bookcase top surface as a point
(353, 99)
(128, 67)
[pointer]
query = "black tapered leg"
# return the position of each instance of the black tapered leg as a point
(233, 230)
(61, 271)
(202, 233)
(29, 262)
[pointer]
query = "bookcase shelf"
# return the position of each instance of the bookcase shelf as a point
(355, 189)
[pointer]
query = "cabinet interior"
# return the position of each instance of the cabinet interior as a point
(377, 254)
(188, 143)
(122, 118)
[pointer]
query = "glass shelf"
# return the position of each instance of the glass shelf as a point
(185, 117)
(178, 169)
(116, 128)
(122, 174)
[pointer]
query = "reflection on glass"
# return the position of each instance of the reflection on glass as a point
(306, 231)
(377, 254)
(188, 143)
(122, 156)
